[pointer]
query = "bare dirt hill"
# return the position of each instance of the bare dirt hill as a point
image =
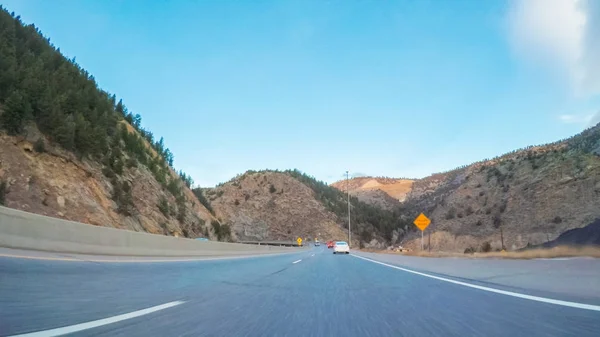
(386, 193)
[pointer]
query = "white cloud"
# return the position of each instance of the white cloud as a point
(576, 119)
(563, 35)
(595, 119)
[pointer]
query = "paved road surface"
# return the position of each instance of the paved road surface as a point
(312, 293)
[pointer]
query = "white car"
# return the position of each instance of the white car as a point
(341, 247)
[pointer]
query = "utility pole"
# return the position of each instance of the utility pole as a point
(348, 191)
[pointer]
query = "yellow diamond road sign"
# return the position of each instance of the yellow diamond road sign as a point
(299, 241)
(422, 222)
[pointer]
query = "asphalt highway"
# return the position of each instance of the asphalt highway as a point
(310, 293)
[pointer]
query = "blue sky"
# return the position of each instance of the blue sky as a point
(394, 88)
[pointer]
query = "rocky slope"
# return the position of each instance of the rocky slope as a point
(56, 183)
(274, 205)
(386, 193)
(523, 198)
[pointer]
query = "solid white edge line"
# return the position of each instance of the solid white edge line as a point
(296, 261)
(497, 291)
(94, 324)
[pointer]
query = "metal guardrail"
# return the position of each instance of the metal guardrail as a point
(272, 243)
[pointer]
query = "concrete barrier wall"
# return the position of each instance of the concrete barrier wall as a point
(24, 230)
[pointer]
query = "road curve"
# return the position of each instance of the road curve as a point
(310, 293)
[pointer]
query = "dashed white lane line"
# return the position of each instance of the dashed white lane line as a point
(492, 290)
(94, 324)
(296, 261)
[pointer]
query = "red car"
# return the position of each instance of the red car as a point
(330, 244)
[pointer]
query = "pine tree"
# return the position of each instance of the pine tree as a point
(13, 117)
(8, 61)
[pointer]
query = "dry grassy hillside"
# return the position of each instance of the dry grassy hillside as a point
(272, 206)
(56, 183)
(525, 198)
(386, 193)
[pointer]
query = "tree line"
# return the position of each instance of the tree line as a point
(364, 215)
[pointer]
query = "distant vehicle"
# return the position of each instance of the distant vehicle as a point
(317, 243)
(329, 244)
(341, 247)
(202, 239)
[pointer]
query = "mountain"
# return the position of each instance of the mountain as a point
(527, 197)
(282, 205)
(385, 193)
(69, 149)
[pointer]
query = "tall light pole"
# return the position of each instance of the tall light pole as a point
(348, 191)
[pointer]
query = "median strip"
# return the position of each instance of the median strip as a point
(94, 324)
(492, 290)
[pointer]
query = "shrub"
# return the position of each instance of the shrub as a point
(481, 193)
(181, 208)
(39, 146)
(502, 207)
(216, 226)
(223, 231)
(451, 213)
(181, 211)
(200, 196)
(123, 198)
(272, 189)
(236, 202)
(246, 196)
(131, 162)
(479, 223)
(3, 192)
(497, 220)
(488, 210)
(486, 247)
(174, 187)
(506, 188)
(459, 215)
(163, 206)
(469, 210)
(557, 220)
(117, 166)
(469, 250)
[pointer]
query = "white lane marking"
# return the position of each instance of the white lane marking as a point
(296, 261)
(93, 324)
(497, 291)
(312, 255)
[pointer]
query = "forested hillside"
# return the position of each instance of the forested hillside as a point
(42, 89)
